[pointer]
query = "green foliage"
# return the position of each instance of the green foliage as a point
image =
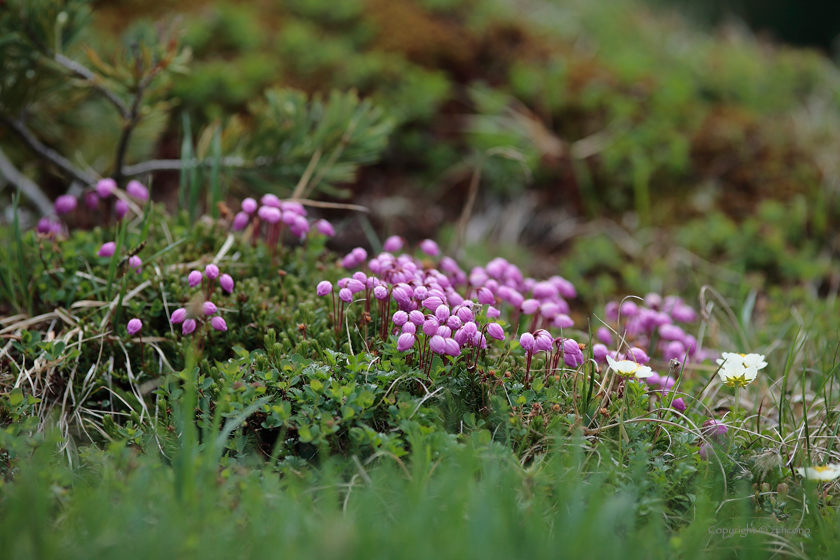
(300, 138)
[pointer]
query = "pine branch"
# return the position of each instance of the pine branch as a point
(85, 73)
(18, 127)
(26, 186)
(78, 69)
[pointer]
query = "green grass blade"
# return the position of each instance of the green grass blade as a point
(22, 270)
(215, 187)
(112, 267)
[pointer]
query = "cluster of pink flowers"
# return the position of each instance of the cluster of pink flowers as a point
(555, 348)
(94, 199)
(208, 312)
(446, 311)
(277, 215)
(652, 323)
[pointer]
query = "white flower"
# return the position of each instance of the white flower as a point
(738, 370)
(826, 472)
(629, 368)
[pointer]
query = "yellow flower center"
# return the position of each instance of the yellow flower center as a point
(743, 355)
(821, 469)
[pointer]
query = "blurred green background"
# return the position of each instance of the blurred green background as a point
(708, 126)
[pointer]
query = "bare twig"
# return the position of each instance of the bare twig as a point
(177, 164)
(18, 127)
(27, 187)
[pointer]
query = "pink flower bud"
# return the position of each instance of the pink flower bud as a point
(629, 309)
(355, 286)
(442, 313)
(653, 300)
(325, 228)
(65, 204)
(683, 313)
(240, 221)
(671, 332)
(188, 326)
(226, 282)
(638, 355)
(218, 323)
(430, 327)
(416, 317)
(465, 314)
(599, 352)
(393, 244)
(453, 322)
(91, 200)
(400, 318)
(405, 341)
(105, 187)
(209, 308)
(120, 208)
(564, 287)
(572, 354)
(604, 335)
(674, 350)
(493, 313)
(360, 254)
(137, 190)
(432, 303)
(345, 295)
(178, 316)
(270, 200)
(444, 331)
(485, 296)
(380, 292)
(135, 263)
(107, 249)
(249, 205)
(212, 271)
(470, 329)
(530, 306)
(544, 290)
(451, 347)
(678, 404)
(495, 330)
(437, 344)
(269, 214)
(409, 328)
(134, 326)
(194, 279)
(543, 343)
(562, 321)
(324, 287)
(527, 341)
(430, 247)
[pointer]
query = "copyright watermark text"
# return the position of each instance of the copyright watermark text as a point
(729, 532)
